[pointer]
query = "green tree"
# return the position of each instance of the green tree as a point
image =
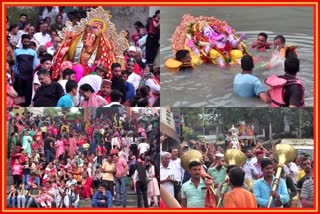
(50, 112)
(187, 133)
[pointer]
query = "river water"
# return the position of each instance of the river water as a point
(208, 85)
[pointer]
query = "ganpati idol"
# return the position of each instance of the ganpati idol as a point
(209, 40)
(92, 41)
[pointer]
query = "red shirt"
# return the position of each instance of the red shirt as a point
(107, 98)
(266, 46)
(152, 29)
(136, 69)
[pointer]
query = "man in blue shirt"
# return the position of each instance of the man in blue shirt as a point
(71, 89)
(247, 85)
(26, 62)
(102, 197)
(193, 192)
(262, 188)
(130, 90)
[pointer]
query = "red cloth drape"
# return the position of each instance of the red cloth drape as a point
(210, 201)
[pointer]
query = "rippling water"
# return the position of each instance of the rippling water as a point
(208, 85)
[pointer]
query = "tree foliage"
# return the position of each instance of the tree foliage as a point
(299, 119)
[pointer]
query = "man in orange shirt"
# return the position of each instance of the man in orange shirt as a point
(238, 197)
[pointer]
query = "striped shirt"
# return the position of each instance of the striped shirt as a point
(307, 190)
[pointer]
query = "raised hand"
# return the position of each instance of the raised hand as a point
(228, 29)
(242, 36)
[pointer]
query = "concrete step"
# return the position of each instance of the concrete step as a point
(131, 195)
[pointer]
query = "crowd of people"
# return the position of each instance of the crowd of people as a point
(285, 90)
(57, 163)
(42, 66)
(246, 186)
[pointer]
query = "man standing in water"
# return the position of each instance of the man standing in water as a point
(261, 43)
(287, 90)
(181, 62)
(247, 85)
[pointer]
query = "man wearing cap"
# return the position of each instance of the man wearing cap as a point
(218, 171)
(105, 90)
(131, 53)
(247, 85)
(260, 156)
(132, 77)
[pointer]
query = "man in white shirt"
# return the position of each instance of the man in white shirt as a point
(250, 170)
(94, 79)
(56, 42)
(46, 63)
(50, 12)
(115, 96)
(143, 146)
(132, 77)
(166, 173)
(175, 165)
(67, 74)
(31, 32)
(42, 37)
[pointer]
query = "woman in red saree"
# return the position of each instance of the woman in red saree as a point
(85, 187)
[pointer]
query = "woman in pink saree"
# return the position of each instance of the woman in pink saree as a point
(90, 99)
(73, 145)
(59, 146)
